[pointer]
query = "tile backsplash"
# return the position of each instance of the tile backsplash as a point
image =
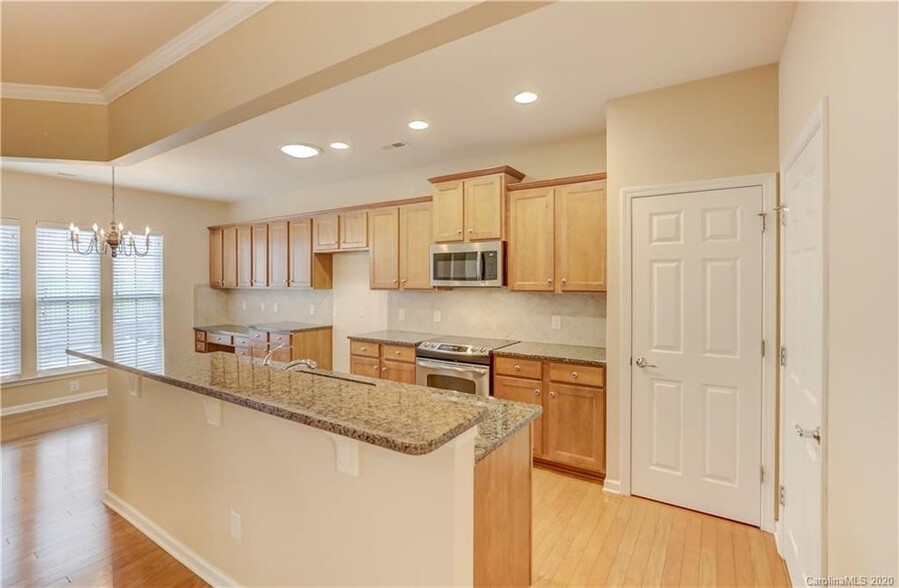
(260, 306)
(499, 313)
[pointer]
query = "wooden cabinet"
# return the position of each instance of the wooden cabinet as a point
(471, 206)
(384, 250)
(557, 235)
(388, 362)
(244, 256)
(215, 258)
(278, 246)
(306, 269)
(326, 233)
(260, 256)
(415, 241)
(570, 434)
(229, 257)
(531, 251)
(315, 344)
(354, 229)
(521, 390)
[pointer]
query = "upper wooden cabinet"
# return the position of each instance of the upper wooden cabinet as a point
(229, 257)
(326, 233)
(471, 206)
(278, 245)
(557, 235)
(244, 256)
(260, 256)
(384, 251)
(306, 269)
(415, 242)
(215, 258)
(354, 229)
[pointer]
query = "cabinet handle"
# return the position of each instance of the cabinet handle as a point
(549, 280)
(384, 369)
(458, 231)
(470, 230)
(564, 281)
(552, 394)
(517, 368)
(362, 348)
(394, 280)
(574, 374)
(404, 280)
(396, 352)
(536, 392)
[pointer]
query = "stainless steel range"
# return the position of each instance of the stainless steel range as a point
(457, 363)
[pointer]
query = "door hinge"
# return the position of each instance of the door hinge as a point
(763, 348)
(762, 474)
(782, 496)
(783, 356)
(764, 217)
(782, 211)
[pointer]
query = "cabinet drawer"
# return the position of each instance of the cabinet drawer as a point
(200, 335)
(200, 347)
(365, 366)
(257, 337)
(521, 368)
(282, 355)
(241, 341)
(398, 353)
(279, 339)
(219, 339)
(243, 351)
(577, 374)
(365, 349)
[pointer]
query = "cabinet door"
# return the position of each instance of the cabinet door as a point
(229, 257)
(300, 275)
(581, 237)
(446, 212)
(354, 230)
(325, 233)
(215, 258)
(365, 366)
(260, 256)
(575, 426)
(530, 262)
(483, 208)
(384, 251)
(415, 241)
(277, 254)
(398, 371)
(521, 390)
(244, 257)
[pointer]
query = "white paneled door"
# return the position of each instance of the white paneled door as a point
(696, 372)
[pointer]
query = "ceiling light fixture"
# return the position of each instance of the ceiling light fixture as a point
(339, 145)
(113, 242)
(419, 125)
(525, 97)
(301, 150)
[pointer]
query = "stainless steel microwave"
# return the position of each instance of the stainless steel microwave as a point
(468, 264)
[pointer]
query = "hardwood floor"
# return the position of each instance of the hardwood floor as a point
(57, 532)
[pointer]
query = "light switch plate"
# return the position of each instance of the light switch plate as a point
(402, 314)
(557, 322)
(262, 306)
(437, 316)
(311, 310)
(275, 307)
(243, 305)
(236, 530)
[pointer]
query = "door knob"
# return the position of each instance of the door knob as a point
(809, 433)
(641, 363)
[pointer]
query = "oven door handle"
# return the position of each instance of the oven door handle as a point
(446, 365)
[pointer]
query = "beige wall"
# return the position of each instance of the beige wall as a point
(848, 53)
(717, 127)
(54, 130)
(30, 199)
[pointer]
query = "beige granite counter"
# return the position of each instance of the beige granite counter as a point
(393, 337)
(578, 354)
(405, 418)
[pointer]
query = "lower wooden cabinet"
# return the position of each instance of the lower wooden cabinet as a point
(571, 433)
(388, 362)
(313, 344)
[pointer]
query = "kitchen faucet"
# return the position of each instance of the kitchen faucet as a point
(309, 363)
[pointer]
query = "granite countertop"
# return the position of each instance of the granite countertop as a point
(394, 337)
(405, 418)
(226, 329)
(578, 354)
(288, 327)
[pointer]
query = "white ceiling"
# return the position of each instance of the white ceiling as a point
(575, 55)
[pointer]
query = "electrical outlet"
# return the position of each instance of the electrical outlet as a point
(74, 385)
(402, 314)
(235, 525)
(275, 307)
(311, 310)
(243, 305)
(361, 311)
(437, 316)
(557, 322)
(262, 306)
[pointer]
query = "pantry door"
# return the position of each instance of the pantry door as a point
(696, 350)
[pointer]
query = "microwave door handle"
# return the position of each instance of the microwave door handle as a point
(480, 268)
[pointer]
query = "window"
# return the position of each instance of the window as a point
(10, 300)
(137, 307)
(68, 300)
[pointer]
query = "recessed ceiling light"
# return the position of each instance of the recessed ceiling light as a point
(525, 97)
(418, 125)
(339, 145)
(301, 150)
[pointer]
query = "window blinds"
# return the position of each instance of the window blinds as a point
(137, 307)
(10, 300)
(68, 300)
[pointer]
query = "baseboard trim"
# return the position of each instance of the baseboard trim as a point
(612, 487)
(190, 558)
(20, 408)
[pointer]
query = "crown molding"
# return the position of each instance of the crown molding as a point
(214, 25)
(51, 93)
(218, 22)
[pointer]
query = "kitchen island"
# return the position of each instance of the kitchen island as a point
(252, 475)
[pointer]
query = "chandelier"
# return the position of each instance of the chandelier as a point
(115, 241)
